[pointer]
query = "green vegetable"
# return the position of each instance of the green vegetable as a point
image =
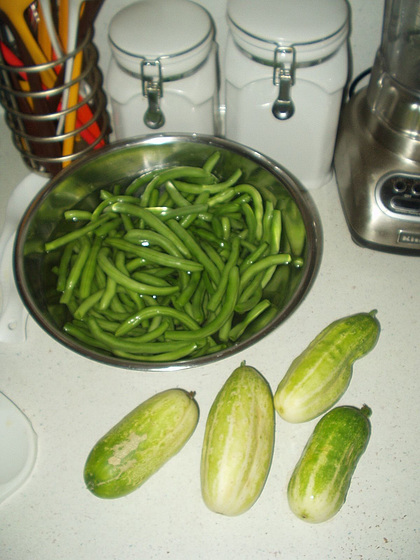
(320, 375)
(141, 443)
(180, 239)
(238, 443)
(320, 482)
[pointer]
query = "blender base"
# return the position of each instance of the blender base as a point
(379, 188)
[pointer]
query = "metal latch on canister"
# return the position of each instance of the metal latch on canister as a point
(152, 89)
(284, 77)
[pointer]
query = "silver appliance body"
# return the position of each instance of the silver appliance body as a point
(377, 154)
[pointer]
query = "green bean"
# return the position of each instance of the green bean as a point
(274, 237)
(209, 236)
(251, 222)
(254, 256)
(188, 291)
(147, 237)
(169, 213)
(258, 205)
(216, 226)
(104, 194)
(210, 289)
(100, 278)
(153, 256)
(186, 221)
(77, 215)
(116, 304)
(84, 336)
(89, 268)
(87, 304)
(223, 332)
(64, 266)
(239, 328)
(249, 247)
(226, 227)
(213, 255)
(163, 199)
(226, 310)
(110, 228)
(211, 162)
(213, 188)
(197, 307)
(153, 311)
(275, 232)
(186, 172)
(152, 334)
(263, 264)
(295, 227)
(246, 297)
(138, 182)
(108, 295)
(130, 300)
(194, 248)
(109, 201)
(217, 297)
(152, 221)
(154, 199)
(109, 314)
(177, 198)
(76, 270)
(182, 351)
(150, 279)
(267, 221)
(110, 270)
(128, 345)
(263, 320)
(75, 234)
(221, 197)
(137, 262)
(106, 324)
(127, 223)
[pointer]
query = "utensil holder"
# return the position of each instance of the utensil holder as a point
(35, 115)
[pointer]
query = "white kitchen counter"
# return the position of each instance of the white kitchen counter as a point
(71, 402)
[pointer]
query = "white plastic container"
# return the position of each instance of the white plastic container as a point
(285, 69)
(163, 73)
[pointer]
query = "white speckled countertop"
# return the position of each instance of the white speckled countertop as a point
(71, 402)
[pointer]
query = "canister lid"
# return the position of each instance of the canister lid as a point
(178, 33)
(304, 24)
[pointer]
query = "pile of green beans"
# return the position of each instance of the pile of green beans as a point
(176, 265)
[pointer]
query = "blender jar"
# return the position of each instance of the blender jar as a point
(286, 67)
(163, 73)
(393, 94)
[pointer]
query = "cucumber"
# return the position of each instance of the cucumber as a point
(320, 375)
(238, 443)
(319, 484)
(136, 447)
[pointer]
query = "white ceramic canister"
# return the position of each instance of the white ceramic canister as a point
(286, 67)
(163, 74)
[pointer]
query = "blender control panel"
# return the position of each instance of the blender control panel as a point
(399, 193)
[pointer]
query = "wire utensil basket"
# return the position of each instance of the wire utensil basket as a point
(49, 129)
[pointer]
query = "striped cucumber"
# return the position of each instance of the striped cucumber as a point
(238, 443)
(320, 375)
(136, 447)
(321, 479)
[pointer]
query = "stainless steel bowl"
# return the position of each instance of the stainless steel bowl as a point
(80, 184)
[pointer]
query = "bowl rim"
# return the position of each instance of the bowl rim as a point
(301, 196)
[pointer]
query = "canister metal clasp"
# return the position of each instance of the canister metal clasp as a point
(151, 78)
(284, 77)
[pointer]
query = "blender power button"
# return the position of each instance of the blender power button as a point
(406, 205)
